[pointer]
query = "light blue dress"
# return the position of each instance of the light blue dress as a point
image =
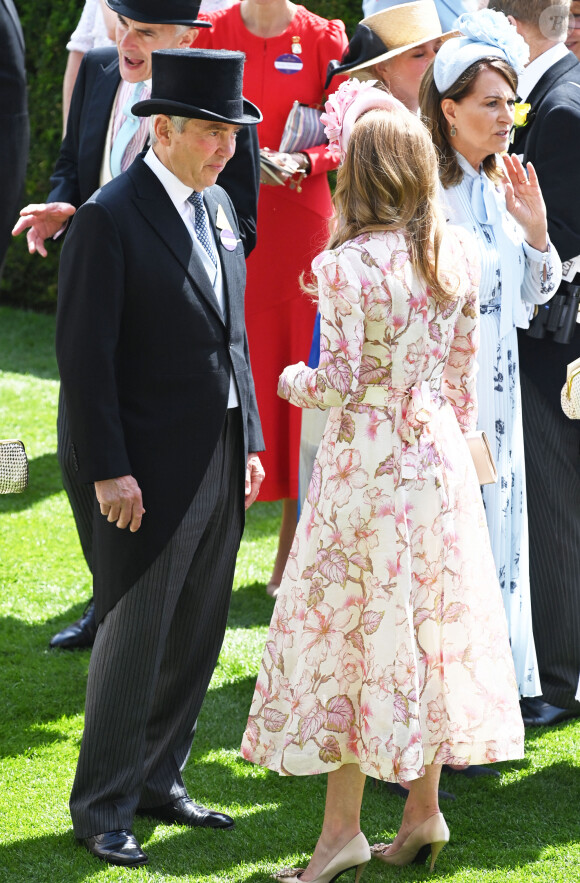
(513, 274)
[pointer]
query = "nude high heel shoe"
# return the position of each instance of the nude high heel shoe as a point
(356, 854)
(433, 833)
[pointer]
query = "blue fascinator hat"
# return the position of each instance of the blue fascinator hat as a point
(484, 33)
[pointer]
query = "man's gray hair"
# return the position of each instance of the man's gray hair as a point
(178, 125)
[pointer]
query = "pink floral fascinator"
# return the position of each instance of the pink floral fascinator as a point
(346, 105)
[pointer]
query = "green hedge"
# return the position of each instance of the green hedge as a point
(30, 281)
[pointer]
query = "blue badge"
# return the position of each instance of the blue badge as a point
(289, 63)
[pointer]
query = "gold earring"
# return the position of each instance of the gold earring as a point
(453, 131)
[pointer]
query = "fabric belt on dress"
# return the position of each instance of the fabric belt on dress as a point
(489, 308)
(413, 409)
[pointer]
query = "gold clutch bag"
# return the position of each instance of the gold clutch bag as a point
(482, 456)
(13, 467)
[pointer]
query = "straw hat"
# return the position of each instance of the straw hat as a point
(400, 28)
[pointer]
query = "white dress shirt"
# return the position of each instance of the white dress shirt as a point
(536, 69)
(179, 194)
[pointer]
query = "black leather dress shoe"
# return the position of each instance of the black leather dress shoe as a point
(116, 848)
(79, 634)
(473, 771)
(184, 811)
(538, 713)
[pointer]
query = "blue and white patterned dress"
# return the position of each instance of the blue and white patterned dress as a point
(513, 274)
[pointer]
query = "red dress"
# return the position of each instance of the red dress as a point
(292, 226)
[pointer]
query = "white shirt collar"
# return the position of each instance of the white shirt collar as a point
(537, 68)
(177, 191)
(466, 166)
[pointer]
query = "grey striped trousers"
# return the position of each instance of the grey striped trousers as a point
(154, 656)
(552, 451)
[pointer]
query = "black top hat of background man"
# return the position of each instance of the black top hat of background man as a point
(205, 84)
(161, 12)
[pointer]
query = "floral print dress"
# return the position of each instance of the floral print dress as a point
(388, 644)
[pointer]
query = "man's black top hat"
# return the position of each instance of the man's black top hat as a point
(161, 12)
(205, 84)
(364, 46)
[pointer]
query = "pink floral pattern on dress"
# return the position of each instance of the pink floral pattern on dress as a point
(388, 644)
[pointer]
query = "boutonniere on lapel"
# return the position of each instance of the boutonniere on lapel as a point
(521, 114)
(521, 117)
(227, 236)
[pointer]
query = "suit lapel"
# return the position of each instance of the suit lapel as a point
(155, 205)
(11, 9)
(98, 112)
(552, 78)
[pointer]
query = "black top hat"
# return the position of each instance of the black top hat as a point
(161, 12)
(205, 84)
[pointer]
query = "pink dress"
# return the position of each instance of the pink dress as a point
(388, 644)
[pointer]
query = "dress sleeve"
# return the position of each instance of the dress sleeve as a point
(459, 385)
(82, 38)
(332, 44)
(341, 339)
(542, 274)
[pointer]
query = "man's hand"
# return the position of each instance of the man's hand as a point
(44, 221)
(254, 478)
(120, 500)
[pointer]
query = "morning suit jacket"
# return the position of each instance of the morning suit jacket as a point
(14, 133)
(77, 172)
(145, 359)
(551, 142)
(552, 441)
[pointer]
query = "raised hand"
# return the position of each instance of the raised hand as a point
(42, 222)
(524, 201)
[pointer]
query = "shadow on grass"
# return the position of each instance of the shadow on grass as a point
(44, 481)
(494, 827)
(27, 343)
(250, 606)
(38, 686)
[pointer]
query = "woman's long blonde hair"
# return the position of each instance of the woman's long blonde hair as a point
(389, 181)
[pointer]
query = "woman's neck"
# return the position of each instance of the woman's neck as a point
(267, 19)
(473, 156)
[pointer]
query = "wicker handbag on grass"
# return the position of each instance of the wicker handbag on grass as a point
(13, 467)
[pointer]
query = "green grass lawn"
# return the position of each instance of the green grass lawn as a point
(524, 826)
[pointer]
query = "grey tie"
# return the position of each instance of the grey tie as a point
(201, 228)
